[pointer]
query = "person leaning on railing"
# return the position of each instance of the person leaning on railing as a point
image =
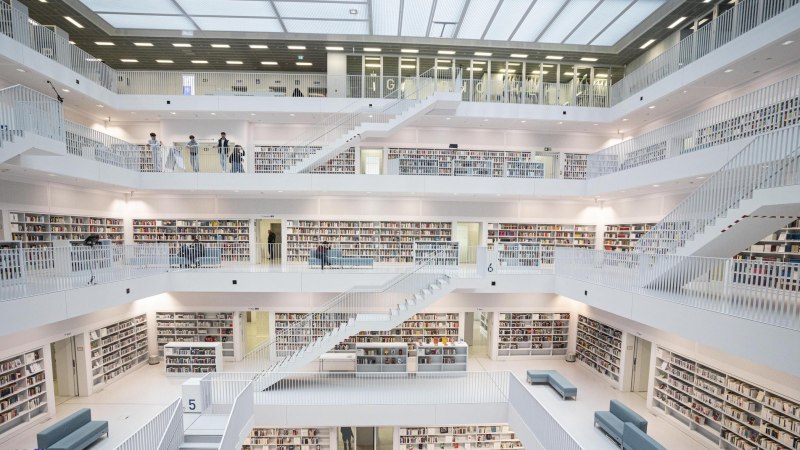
(193, 149)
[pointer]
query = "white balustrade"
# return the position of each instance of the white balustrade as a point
(537, 418)
(240, 420)
(163, 432)
(24, 110)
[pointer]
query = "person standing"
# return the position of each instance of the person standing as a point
(322, 254)
(194, 147)
(236, 159)
(222, 148)
(271, 238)
(347, 437)
(155, 151)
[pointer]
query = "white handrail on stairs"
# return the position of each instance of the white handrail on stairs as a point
(770, 161)
(240, 419)
(24, 110)
(92, 144)
(160, 432)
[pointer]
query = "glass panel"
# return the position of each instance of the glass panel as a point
(444, 73)
(372, 76)
(549, 74)
(408, 75)
(497, 74)
(354, 76)
(391, 79)
(583, 86)
(533, 83)
(466, 74)
(480, 80)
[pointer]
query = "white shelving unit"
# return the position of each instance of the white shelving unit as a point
(491, 436)
(548, 235)
(727, 410)
(574, 166)
(279, 159)
(599, 347)
(24, 395)
(197, 326)
(519, 254)
(472, 168)
(523, 169)
(192, 358)
(450, 357)
(782, 245)
(436, 253)
(12, 269)
(233, 235)
(290, 339)
(381, 357)
(413, 166)
(530, 334)
(445, 158)
(622, 237)
(290, 438)
(41, 229)
(115, 350)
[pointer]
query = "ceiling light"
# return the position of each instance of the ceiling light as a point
(513, 64)
(569, 74)
(291, 114)
(234, 62)
(519, 55)
(408, 66)
(371, 49)
(647, 44)
(213, 114)
(561, 123)
(589, 59)
(478, 63)
(303, 63)
(443, 61)
(558, 58)
(73, 21)
(595, 124)
(702, 21)
(21, 70)
(539, 72)
(94, 59)
(181, 44)
(624, 120)
(409, 50)
(65, 90)
(476, 69)
(106, 43)
(173, 113)
(372, 65)
(129, 60)
(651, 106)
(483, 54)
(676, 23)
(353, 11)
(443, 67)
(99, 106)
(372, 58)
(252, 114)
(446, 118)
(787, 42)
(701, 178)
(199, 61)
(164, 61)
(269, 63)
(728, 70)
(601, 75)
(446, 52)
(656, 185)
(334, 49)
(261, 46)
(485, 120)
(523, 121)
(220, 46)
(296, 47)
(143, 44)
(507, 70)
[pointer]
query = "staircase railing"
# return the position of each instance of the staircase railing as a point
(23, 109)
(770, 161)
(159, 433)
(338, 125)
(92, 144)
(240, 419)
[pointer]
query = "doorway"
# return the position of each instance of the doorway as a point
(468, 235)
(477, 332)
(269, 253)
(65, 369)
(640, 371)
(256, 329)
(371, 161)
(365, 438)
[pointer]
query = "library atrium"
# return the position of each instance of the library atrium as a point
(400, 224)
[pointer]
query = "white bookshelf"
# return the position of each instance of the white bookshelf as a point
(519, 254)
(731, 412)
(472, 168)
(198, 326)
(622, 237)
(436, 253)
(116, 349)
(599, 347)
(445, 158)
(413, 166)
(12, 268)
(523, 169)
(547, 235)
(782, 245)
(450, 357)
(381, 357)
(261, 438)
(40, 229)
(23, 389)
(290, 337)
(531, 334)
(232, 235)
(279, 159)
(490, 436)
(574, 166)
(191, 358)
(383, 241)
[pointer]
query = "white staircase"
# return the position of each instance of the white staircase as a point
(207, 440)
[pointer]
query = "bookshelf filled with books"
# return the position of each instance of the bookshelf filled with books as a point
(436, 253)
(383, 241)
(450, 357)
(197, 326)
(413, 166)
(524, 169)
(23, 390)
(548, 236)
(782, 245)
(390, 357)
(519, 254)
(573, 166)
(231, 235)
(489, 436)
(191, 358)
(530, 334)
(472, 168)
(622, 237)
(116, 349)
(459, 162)
(261, 438)
(599, 347)
(42, 229)
(279, 159)
(730, 411)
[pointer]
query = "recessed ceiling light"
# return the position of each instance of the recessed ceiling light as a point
(539, 72)
(73, 21)
(303, 63)
(561, 123)
(181, 44)
(483, 54)
(558, 58)
(269, 63)
(372, 58)
(478, 63)
(143, 44)
(220, 46)
(728, 70)
(569, 74)
(353, 11)
(213, 114)
(291, 114)
(702, 21)
(601, 75)
(252, 114)
(446, 52)
(485, 120)
(129, 60)
(173, 112)
(164, 61)
(99, 106)
(523, 121)
(651, 106)
(624, 120)
(21, 70)
(65, 90)
(477, 69)
(199, 61)
(334, 49)
(513, 64)
(647, 44)
(259, 46)
(94, 59)
(408, 66)
(372, 49)
(656, 185)
(787, 42)
(234, 62)
(506, 70)
(589, 59)
(676, 23)
(372, 65)
(105, 43)
(701, 178)
(443, 61)
(409, 50)
(519, 55)
(296, 47)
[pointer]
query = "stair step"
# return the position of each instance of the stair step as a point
(199, 446)
(200, 438)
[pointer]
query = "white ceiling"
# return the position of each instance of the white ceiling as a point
(580, 22)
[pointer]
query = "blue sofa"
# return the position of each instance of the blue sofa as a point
(74, 432)
(633, 438)
(613, 421)
(555, 380)
(335, 258)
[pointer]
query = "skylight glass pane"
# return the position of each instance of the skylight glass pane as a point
(148, 22)
(138, 6)
(319, 10)
(448, 10)
(238, 24)
(567, 20)
(477, 17)
(326, 26)
(541, 14)
(628, 21)
(385, 14)
(597, 21)
(507, 19)
(416, 17)
(227, 7)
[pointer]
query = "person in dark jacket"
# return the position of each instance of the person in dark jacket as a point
(322, 254)
(271, 238)
(236, 159)
(222, 149)
(347, 437)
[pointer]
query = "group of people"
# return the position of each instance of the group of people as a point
(174, 159)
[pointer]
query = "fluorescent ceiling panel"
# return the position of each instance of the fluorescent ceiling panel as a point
(538, 18)
(416, 17)
(238, 24)
(477, 17)
(448, 10)
(628, 21)
(567, 20)
(138, 6)
(509, 15)
(227, 7)
(148, 22)
(320, 10)
(385, 15)
(326, 26)
(601, 17)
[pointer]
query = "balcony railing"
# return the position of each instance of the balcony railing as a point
(24, 110)
(163, 432)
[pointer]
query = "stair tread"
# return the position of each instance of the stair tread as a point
(199, 445)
